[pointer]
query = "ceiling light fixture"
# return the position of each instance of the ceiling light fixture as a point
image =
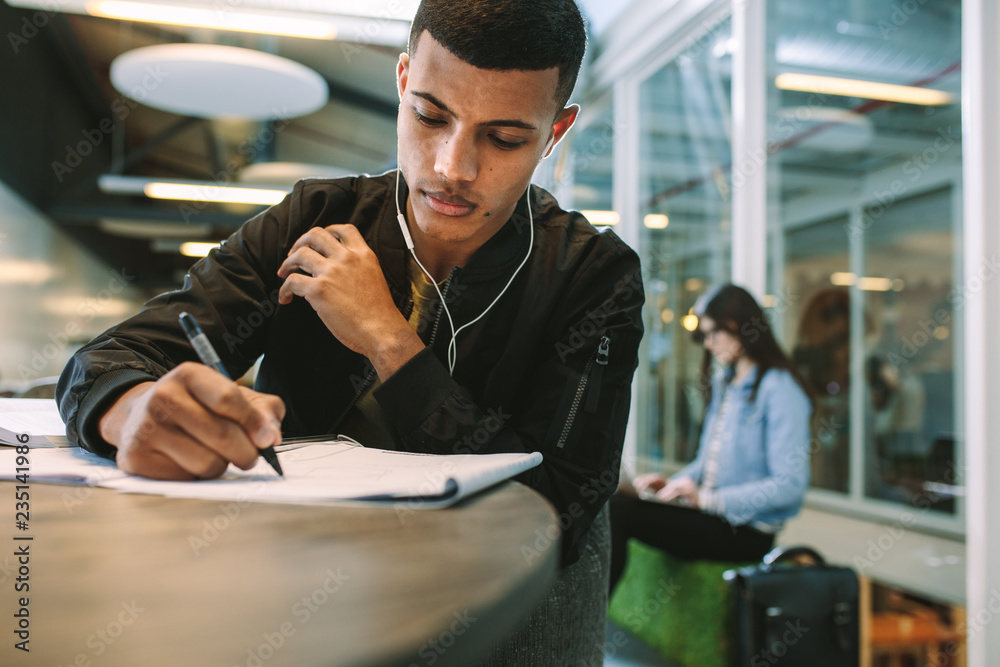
(209, 192)
(197, 248)
(656, 221)
(871, 90)
(602, 218)
(219, 19)
(204, 191)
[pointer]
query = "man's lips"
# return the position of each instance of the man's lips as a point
(445, 204)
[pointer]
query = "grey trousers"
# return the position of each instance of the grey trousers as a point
(566, 627)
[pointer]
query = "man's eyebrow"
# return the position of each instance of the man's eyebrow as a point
(520, 124)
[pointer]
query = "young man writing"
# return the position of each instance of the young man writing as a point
(350, 325)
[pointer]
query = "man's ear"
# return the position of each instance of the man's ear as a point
(402, 74)
(564, 121)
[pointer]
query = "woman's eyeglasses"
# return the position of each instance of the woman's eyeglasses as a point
(700, 336)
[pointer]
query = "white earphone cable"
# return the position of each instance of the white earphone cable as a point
(452, 346)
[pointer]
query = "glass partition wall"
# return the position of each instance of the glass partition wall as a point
(685, 211)
(864, 182)
(864, 240)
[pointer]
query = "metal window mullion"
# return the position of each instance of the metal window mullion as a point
(749, 233)
(625, 200)
(981, 235)
(856, 460)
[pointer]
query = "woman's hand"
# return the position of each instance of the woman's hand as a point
(681, 487)
(651, 482)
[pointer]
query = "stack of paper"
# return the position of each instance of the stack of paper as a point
(31, 421)
(322, 472)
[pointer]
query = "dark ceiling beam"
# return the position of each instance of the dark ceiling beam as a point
(80, 74)
(361, 99)
(133, 157)
(88, 214)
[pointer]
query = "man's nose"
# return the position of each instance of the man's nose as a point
(457, 158)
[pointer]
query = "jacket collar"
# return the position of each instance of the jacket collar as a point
(498, 257)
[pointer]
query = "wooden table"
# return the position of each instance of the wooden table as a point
(146, 581)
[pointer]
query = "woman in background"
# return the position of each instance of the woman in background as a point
(752, 467)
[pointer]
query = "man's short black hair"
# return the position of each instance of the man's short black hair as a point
(508, 35)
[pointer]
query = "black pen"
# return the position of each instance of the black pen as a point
(209, 357)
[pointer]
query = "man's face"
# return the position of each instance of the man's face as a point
(469, 141)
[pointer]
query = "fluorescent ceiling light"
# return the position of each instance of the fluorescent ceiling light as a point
(872, 90)
(25, 272)
(871, 284)
(843, 279)
(656, 221)
(197, 249)
(219, 19)
(210, 192)
(205, 191)
(598, 218)
(867, 283)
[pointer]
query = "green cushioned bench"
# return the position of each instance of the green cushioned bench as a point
(678, 607)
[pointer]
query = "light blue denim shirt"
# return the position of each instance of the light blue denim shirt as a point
(764, 462)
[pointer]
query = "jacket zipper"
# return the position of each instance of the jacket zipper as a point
(444, 297)
(600, 360)
(370, 377)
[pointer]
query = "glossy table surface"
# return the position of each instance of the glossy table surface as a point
(118, 579)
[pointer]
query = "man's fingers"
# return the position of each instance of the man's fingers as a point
(224, 398)
(348, 236)
(305, 259)
(226, 438)
(320, 239)
(174, 456)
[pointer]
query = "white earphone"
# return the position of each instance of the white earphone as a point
(452, 347)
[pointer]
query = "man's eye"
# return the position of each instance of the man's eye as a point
(505, 145)
(427, 120)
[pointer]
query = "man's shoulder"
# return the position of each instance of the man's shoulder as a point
(572, 228)
(350, 187)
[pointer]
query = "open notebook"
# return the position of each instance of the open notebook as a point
(31, 421)
(315, 473)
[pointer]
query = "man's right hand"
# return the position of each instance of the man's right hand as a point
(190, 424)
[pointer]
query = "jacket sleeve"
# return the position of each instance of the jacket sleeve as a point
(786, 444)
(223, 291)
(573, 407)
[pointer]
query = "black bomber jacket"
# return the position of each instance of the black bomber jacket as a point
(548, 369)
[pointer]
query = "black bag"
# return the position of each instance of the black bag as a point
(794, 616)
